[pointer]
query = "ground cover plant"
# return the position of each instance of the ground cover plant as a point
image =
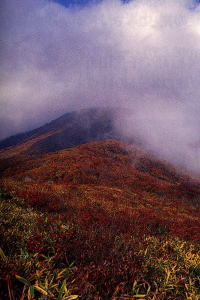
(86, 223)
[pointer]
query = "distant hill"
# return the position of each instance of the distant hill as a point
(68, 131)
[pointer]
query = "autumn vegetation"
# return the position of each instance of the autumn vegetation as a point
(100, 221)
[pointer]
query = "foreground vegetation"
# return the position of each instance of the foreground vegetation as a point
(92, 255)
(76, 230)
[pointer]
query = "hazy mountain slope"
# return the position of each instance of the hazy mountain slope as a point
(69, 130)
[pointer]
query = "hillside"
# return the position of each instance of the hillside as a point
(109, 163)
(103, 220)
(67, 131)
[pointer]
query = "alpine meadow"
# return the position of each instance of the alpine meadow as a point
(100, 150)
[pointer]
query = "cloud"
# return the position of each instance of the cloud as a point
(143, 55)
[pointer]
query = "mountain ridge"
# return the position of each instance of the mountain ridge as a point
(69, 130)
(112, 211)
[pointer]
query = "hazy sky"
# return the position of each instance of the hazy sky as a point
(143, 55)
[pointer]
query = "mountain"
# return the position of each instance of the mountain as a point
(98, 217)
(101, 158)
(95, 220)
(69, 130)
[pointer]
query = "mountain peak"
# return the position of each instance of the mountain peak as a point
(69, 130)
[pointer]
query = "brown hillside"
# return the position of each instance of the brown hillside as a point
(104, 216)
(106, 163)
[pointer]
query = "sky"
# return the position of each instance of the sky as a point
(143, 55)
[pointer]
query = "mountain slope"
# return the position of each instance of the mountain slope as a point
(69, 130)
(108, 163)
(102, 217)
(114, 175)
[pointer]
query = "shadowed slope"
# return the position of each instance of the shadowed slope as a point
(69, 130)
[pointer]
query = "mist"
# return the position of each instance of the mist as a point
(143, 56)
